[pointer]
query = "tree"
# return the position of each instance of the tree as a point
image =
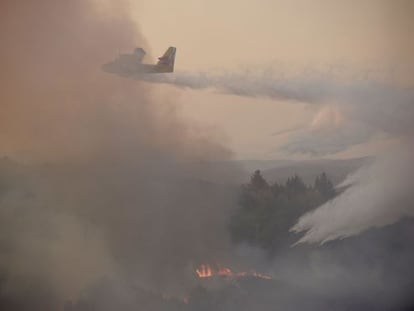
(267, 211)
(277, 189)
(295, 184)
(324, 186)
(257, 182)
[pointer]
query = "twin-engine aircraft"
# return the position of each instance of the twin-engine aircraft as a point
(131, 64)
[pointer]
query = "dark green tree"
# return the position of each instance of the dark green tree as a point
(324, 186)
(295, 184)
(267, 211)
(257, 182)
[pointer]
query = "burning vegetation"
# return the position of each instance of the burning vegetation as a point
(208, 271)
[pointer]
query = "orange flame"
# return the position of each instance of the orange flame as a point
(204, 271)
(207, 271)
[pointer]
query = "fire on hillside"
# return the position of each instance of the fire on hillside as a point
(207, 271)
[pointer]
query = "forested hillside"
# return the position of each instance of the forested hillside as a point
(267, 210)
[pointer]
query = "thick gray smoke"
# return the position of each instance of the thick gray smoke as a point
(104, 181)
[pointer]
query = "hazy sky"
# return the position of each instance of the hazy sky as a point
(371, 37)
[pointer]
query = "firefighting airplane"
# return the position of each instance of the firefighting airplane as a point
(131, 64)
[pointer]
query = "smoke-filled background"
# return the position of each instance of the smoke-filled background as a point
(100, 179)
(110, 197)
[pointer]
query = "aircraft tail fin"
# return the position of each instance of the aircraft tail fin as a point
(167, 60)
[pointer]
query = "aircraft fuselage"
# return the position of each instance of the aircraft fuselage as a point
(130, 64)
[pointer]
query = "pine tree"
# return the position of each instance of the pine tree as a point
(295, 184)
(257, 182)
(324, 186)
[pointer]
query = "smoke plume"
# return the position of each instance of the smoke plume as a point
(101, 179)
